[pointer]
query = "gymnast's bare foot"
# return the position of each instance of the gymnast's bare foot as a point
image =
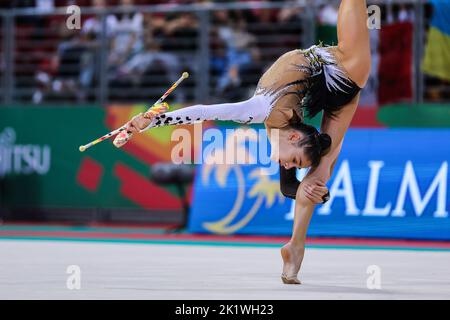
(292, 259)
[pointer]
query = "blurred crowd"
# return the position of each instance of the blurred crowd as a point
(144, 51)
(141, 45)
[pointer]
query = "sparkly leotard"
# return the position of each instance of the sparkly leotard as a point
(300, 81)
(305, 80)
(308, 80)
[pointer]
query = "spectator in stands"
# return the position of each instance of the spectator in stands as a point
(64, 73)
(135, 69)
(181, 35)
(92, 31)
(218, 59)
(241, 52)
(287, 13)
(72, 68)
(93, 25)
(127, 32)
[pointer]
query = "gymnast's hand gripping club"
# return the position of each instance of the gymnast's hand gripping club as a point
(124, 136)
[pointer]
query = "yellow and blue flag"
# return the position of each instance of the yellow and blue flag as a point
(437, 52)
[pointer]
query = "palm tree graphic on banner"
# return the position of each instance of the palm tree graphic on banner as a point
(263, 190)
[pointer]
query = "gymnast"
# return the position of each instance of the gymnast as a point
(300, 83)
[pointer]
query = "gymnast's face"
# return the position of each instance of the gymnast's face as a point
(290, 155)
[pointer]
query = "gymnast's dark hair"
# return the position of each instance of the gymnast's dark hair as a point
(315, 144)
(318, 97)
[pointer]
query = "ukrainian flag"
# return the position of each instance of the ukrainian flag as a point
(437, 52)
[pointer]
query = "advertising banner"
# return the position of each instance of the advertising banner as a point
(41, 166)
(387, 183)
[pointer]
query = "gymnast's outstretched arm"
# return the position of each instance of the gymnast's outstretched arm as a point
(253, 110)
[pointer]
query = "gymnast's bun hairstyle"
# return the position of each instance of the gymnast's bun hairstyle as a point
(325, 143)
(315, 144)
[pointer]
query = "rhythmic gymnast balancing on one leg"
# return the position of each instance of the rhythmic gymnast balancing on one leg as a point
(312, 80)
(354, 58)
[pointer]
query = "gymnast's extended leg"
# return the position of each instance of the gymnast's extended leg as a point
(354, 54)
